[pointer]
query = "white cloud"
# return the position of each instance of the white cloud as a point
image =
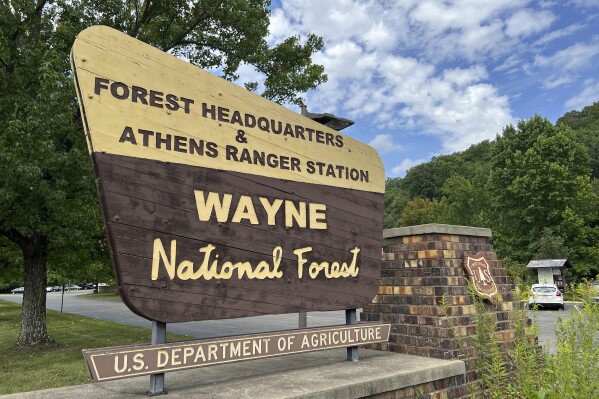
(384, 143)
(280, 27)
(558, 34)
(527, 22)
(556, 81)
(574, 57)
(586, 3)
(588, 96)
(406, 164)
(247, 74)
(463, 76)
(509, 64)
(421, 65)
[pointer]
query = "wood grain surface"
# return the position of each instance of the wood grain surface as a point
(145, 200)
(301, 224)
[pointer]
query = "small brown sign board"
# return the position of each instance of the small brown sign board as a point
(131, 361)
(479, 273)
(217, 202)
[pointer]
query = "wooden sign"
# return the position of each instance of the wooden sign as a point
(132, 361)
(479, 273)
(217, 202)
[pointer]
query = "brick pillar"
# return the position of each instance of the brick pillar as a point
(421, 265)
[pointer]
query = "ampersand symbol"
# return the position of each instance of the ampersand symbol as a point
(241, 137)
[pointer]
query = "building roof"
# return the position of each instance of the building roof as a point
(542, 263)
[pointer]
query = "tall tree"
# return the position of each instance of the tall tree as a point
(585, 123)
(465, 202)
(47, 195)
(540, 179)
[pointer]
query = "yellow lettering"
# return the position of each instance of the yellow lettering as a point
(318, 216)
(187, 352)
(185, 270)
(175, 359)
(305, 342)
(314, 340)
(160, 254)
(302, 214)
(212, 348)
(206, 206)
(257, 346)
(335, 340)
(295, 213)
(331, 270)
(116, 364)
(235, 349)
(301, 260)
(245, 210)
(277, 254)
(271, 209)
(204, 269)
(162, 358)
(246, 348)
(199, 355)
(138, 360)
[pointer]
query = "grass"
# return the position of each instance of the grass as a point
(107, 296)
(61, 364)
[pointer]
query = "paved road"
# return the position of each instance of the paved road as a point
(106, 309)
(117, 311)
(546, 319)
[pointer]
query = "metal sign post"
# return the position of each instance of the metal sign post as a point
(351, 317)
(158, 337)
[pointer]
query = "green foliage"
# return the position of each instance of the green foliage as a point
(524, 371)
(586, 125)
(418, 211)
(426, 180)
(522, 277)
(464, 203)
(48, 203)
(396, 199)
(534, 186)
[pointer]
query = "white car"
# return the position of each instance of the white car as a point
(545, 295)
(19, 290)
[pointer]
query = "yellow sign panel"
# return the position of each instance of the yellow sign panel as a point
(141, 102)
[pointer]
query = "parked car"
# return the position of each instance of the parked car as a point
(97, 289)
(19, 290)
(594, 286)
(72, 287)
(545, 295)
(49, 289)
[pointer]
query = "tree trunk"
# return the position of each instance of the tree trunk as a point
(33, 316)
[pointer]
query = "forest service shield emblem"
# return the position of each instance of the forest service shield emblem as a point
(479, 272)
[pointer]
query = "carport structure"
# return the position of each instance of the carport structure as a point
(550, 271)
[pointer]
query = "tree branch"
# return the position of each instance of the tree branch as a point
(14, 236)
(40, 6)
(203, 15)
(145, 16)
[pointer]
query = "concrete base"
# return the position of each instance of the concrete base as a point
(315, 375)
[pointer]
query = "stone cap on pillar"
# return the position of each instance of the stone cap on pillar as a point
(437, 228)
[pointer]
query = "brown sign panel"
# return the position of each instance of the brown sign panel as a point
(217, 202)
(479, 272)
(131, 361)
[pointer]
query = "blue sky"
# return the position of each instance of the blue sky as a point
(430, 77)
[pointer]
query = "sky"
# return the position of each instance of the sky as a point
(423, 78)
